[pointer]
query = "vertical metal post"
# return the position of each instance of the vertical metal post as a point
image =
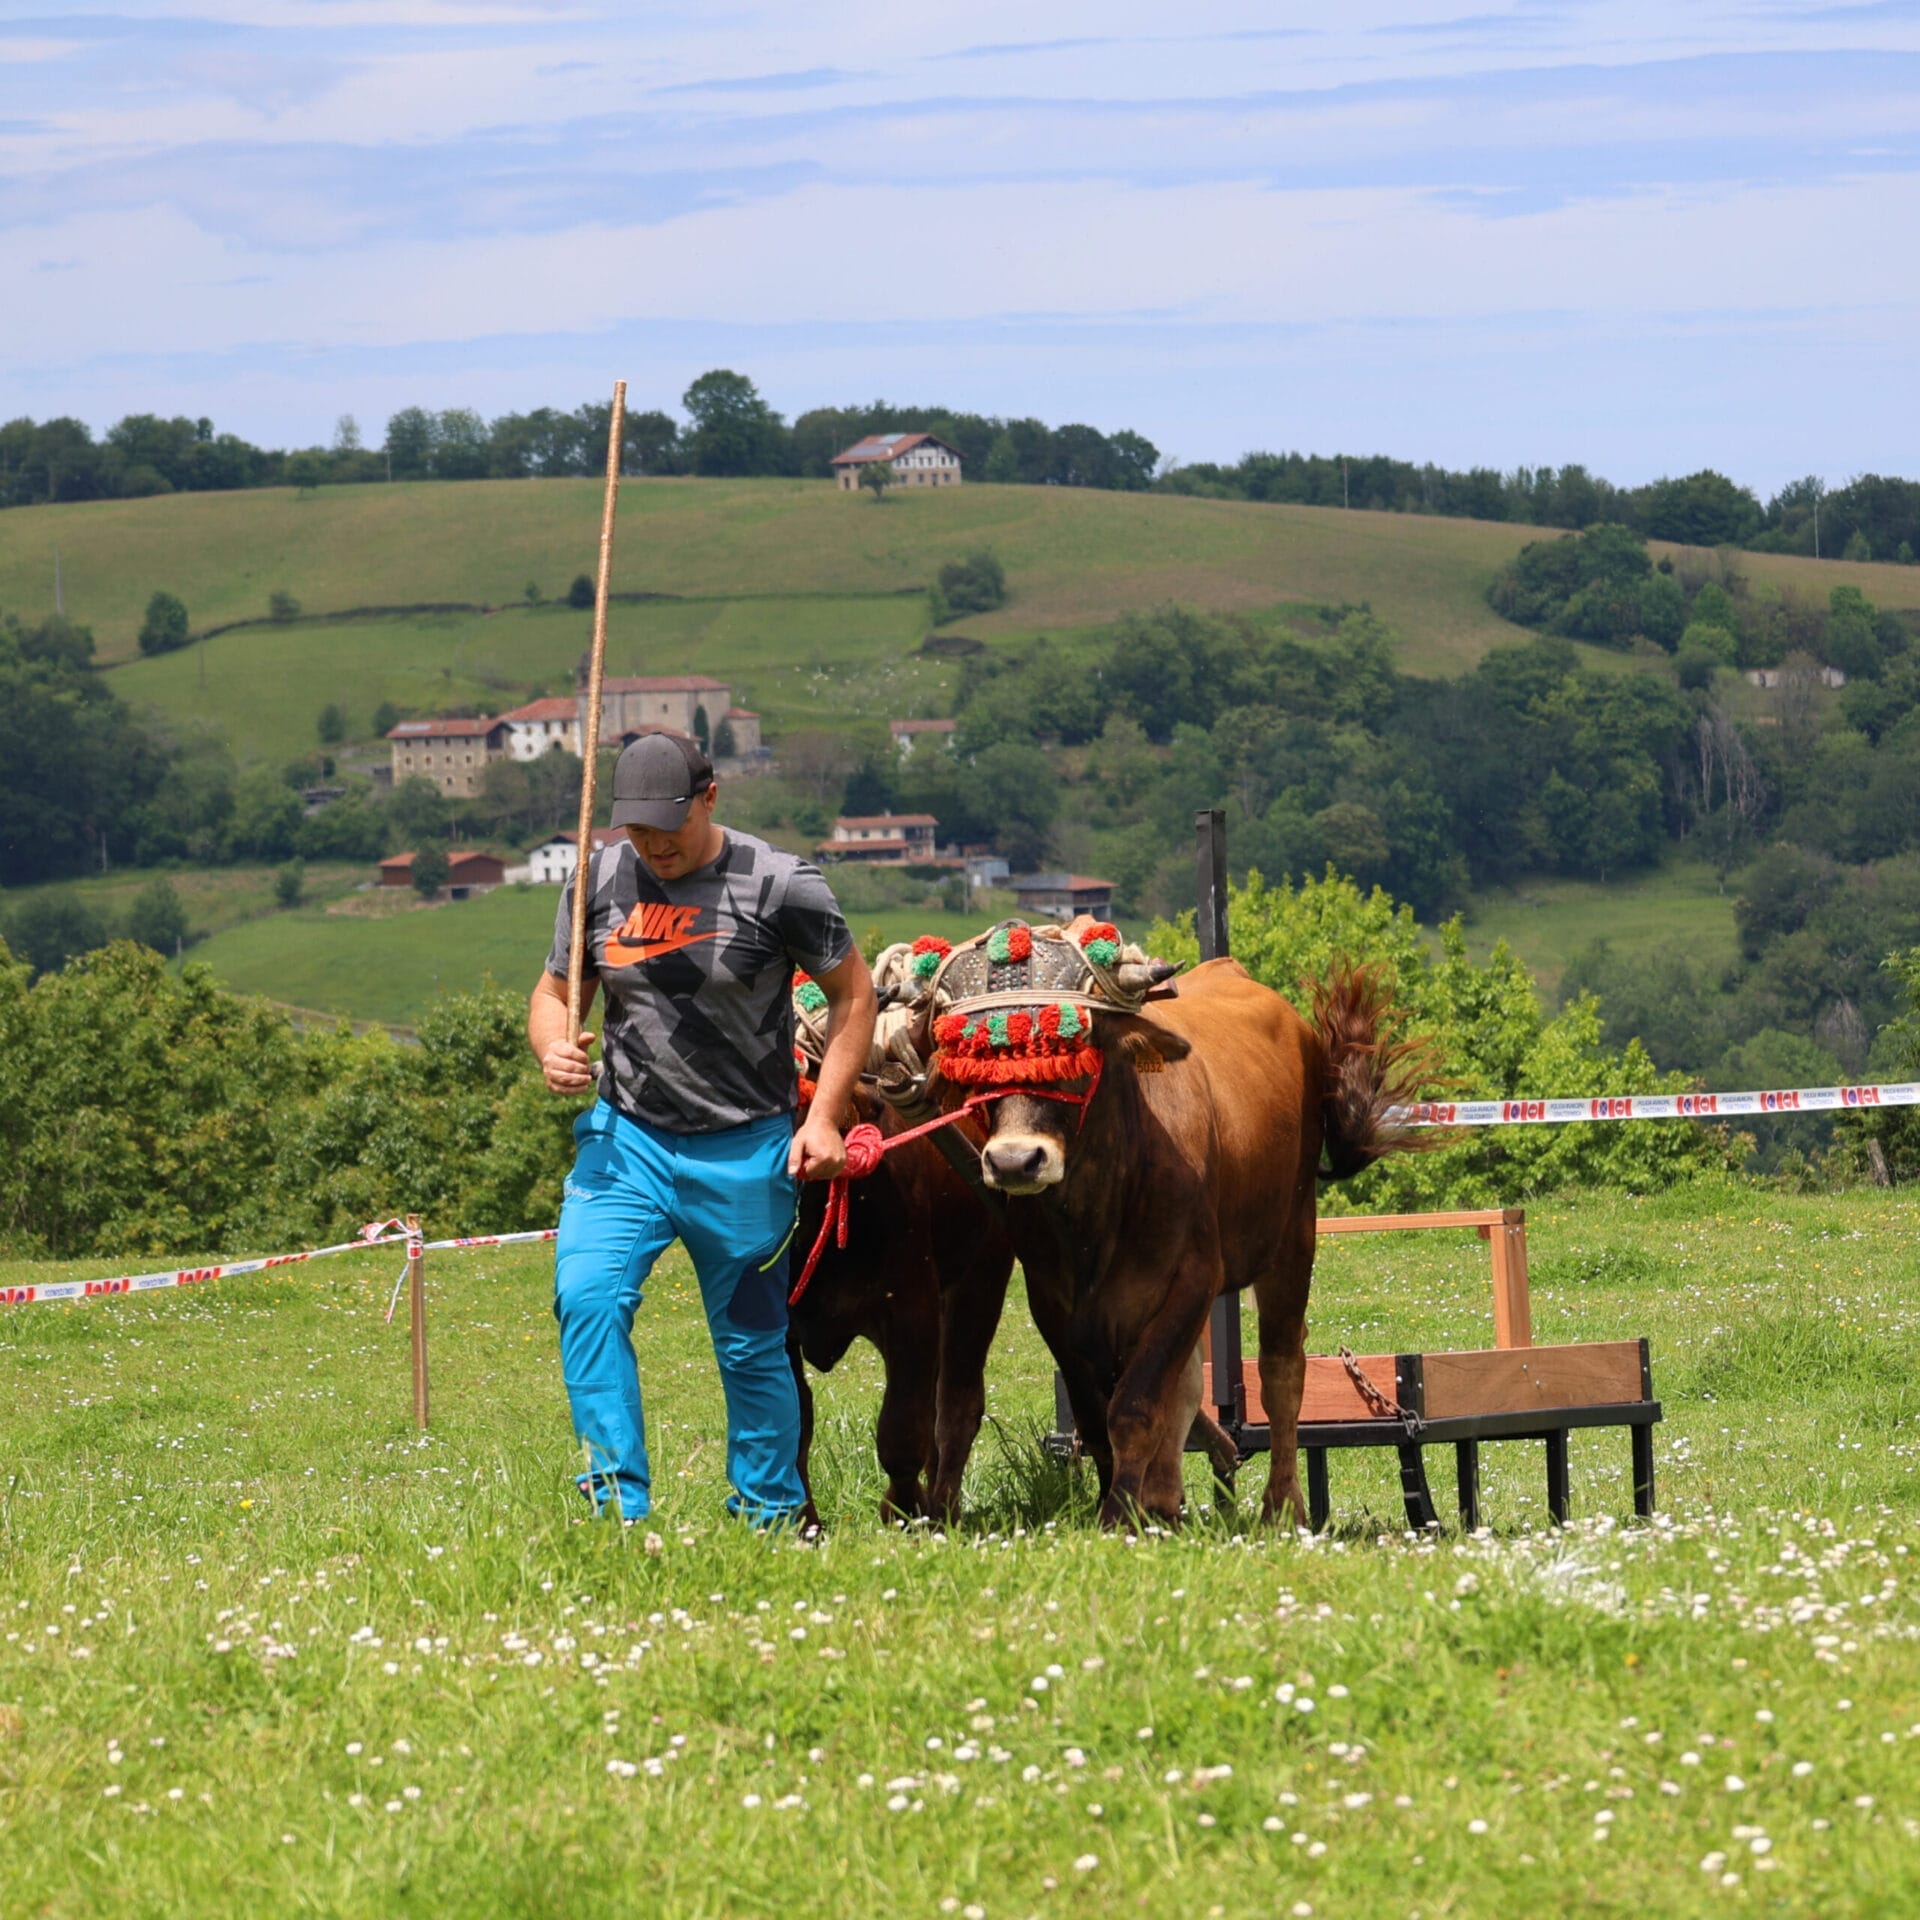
(417, 1317)
(1210, 922)
(1210, 847)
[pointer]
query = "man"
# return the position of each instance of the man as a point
(695, 932)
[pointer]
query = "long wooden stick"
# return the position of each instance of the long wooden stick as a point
(590, 744)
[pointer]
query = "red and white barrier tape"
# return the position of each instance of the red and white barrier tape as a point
(1660, 1106)
(380, 1236)
(1428, 1113)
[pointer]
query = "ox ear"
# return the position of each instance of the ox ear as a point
(1148, 1049)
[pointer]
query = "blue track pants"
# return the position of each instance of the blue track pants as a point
(635, 1189)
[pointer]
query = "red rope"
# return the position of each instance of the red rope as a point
(867, 1146)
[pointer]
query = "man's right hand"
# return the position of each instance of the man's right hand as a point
(566, 1066)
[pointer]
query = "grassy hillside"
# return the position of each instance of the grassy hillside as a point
(800, 662)
(215, 898)
(1072, 556)
(1546, 921)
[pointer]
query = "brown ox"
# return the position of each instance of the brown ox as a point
(1190, 1173)
(923, 1276)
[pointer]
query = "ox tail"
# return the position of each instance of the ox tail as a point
(1368, 1069)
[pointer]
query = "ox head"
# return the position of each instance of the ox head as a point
(1032, 1016)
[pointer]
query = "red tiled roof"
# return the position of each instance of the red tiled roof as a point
(741, 713)
(878, 446)
(403, 862)
(886, 820)
(665, 683)
(920, 726)
(440, 729)
(556, 708)
(602, 837)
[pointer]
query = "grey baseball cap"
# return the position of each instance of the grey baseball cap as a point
(656, 779)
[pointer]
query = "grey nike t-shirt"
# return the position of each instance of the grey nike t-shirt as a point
(697, 977)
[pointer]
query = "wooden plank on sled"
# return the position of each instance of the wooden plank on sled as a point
(1451, 1386)
(1589, 1373)
(1329, 1393)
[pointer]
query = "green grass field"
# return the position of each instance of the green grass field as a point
(798, 662)
(269, 1651)
(389, 968)
(215, 898)
(1547, 920)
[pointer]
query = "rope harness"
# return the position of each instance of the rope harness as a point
(867, 1146)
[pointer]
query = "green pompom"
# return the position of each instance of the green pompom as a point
(997, 1029)
(810, 996)
(925, 965)
(1103, 953)
(1072, 1026)
(998, 950)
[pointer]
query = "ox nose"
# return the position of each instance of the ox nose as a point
(1021, 1165)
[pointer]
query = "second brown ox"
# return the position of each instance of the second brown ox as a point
(1192, 1172)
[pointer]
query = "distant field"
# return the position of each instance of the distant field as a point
(390, 969)
(215, 897)
(1073, 556)
(798, 662)
(1547, 921)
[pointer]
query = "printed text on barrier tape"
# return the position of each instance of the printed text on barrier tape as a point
(1660, 1106)
(1442, 1113)
(193, 1276)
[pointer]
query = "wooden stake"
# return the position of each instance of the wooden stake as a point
(417, 1318)
(590, 744)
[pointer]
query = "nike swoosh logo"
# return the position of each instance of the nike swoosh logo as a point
(621, 953)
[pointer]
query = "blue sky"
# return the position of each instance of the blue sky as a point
(1647, 236)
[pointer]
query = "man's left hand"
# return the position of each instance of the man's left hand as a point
(818, 1152)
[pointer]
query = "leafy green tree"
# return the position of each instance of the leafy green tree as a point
(419, 812)
(460, 447)
(429, 872)
(140, 1109)
(533, 594)
(165, 625)
(977, 584)
(332, 724)
(157, 919)
(581, 594)
(386, 716)
(734, 431)
(1663, 610)
(308, 469)
(351, 829)
(282, 606)
(290, 884)
(876, 477)
(1717, 643)
(1852, 640)
(1015, 787)
(1003, 461)
(409, 444)
(1494, 1042)
(266, 816)
(48, 929)
(723, 741)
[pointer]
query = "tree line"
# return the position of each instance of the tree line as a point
(727, 429)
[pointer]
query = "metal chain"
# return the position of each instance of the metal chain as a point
(1382, 1404)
